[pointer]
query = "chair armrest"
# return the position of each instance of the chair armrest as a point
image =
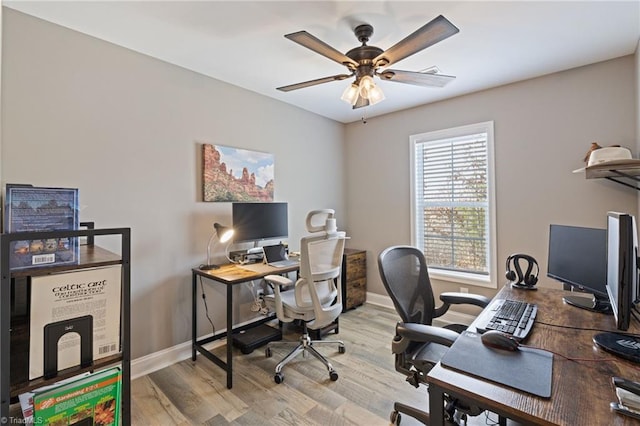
(275, 281)
(426, 333)
(278, 280)
(465, 299)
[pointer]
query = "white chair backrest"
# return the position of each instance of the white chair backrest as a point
(320, 268)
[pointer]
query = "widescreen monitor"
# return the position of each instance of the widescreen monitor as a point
(622, 271)
(259, 221)
(578, 257)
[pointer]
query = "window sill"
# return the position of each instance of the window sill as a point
(462, 278)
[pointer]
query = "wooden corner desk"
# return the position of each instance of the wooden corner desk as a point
(228, 275)
(581, 390)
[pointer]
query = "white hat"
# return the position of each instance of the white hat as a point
(613, 155)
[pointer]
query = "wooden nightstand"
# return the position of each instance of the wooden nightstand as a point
(354, 278)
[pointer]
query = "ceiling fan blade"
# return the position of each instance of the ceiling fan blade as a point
(305, 39)
(433, 32)
(313, 82)
(417, 78)
(361, 102)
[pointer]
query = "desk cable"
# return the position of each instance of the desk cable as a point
(257, 305)
(580, 329)
(568, 358)
(586, 329)
(206, 308)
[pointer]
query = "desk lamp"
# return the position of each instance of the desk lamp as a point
(224, 234)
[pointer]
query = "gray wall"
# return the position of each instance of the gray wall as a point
(125, 129)
(543, 127)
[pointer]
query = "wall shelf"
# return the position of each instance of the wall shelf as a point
(14, 327)
(624, 174)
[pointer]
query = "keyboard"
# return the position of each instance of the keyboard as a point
(513, 317)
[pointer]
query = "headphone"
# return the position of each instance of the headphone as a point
(517, 278)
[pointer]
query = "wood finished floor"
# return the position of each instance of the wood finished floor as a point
(195, 393)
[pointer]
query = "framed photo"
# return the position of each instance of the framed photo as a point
(233, 174)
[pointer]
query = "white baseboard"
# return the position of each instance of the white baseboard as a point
(166, 357)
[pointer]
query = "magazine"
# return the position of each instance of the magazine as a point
(26, 399)
(28, 208)
(72, 296)
(91, 400)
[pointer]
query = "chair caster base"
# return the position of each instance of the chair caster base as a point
(333, 376)
(278, 378)
(395, 418)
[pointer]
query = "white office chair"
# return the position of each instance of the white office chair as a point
(315, 299)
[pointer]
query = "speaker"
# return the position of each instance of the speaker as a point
(516, 277)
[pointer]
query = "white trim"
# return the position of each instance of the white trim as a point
(463, 278)
(166, 357)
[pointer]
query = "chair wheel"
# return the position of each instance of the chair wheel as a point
(333, 376)
(342, 349)
(395, 417)
(268, 353)
(278, 378)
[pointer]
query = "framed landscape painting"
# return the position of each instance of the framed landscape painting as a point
(234, 174)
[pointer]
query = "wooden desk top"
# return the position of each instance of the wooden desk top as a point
(581, 390)
(234, 274)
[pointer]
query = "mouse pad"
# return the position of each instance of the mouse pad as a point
(526, 369)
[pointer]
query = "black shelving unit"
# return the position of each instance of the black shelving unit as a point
(14, 356)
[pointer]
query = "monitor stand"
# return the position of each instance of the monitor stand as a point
(592, 304)
(622, 345)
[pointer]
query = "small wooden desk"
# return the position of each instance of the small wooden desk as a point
(581, 390)
(228, 275)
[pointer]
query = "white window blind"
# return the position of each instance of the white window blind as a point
(452, 201)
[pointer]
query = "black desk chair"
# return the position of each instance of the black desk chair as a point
(418, 345)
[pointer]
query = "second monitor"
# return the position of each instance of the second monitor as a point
(578, 257)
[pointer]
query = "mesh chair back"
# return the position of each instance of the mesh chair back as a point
(320, 268)
(404, 273)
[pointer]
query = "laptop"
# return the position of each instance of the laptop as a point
(276, 256)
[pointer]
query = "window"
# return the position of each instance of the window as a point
(453, 207)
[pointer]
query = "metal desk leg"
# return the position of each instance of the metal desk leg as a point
(436, 406)
(229, 336)
(194, 316)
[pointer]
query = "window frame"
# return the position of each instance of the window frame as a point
(468, 278)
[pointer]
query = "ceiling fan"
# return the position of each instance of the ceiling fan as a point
(365, 62)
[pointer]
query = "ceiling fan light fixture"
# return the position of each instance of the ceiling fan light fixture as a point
(366, 84)
(370, 91)
(375, 95)
(350, 94)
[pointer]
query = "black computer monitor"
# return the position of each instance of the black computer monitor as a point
(622, 275)
(259, 221)
(578, 258)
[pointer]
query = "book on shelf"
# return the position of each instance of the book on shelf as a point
(26, 399)
(70, 310)
(30, 208)
(92, 399)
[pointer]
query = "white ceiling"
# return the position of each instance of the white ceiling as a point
(242, 43)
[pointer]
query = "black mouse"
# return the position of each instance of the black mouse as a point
(499, 340)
